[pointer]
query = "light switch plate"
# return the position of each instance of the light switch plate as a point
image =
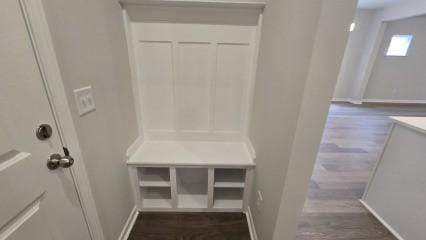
(84, 100)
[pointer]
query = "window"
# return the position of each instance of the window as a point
(399, 45)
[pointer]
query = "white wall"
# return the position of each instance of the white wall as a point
(374, 38)
(407, 8)
(353, 54)
(293, 88)
(90, 44)
(397, 192)
(400, 78)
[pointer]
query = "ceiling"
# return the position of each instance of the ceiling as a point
(375, 4)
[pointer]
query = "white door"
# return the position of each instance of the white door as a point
(35, 203)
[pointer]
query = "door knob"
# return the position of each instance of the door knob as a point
(56, 160)
(66, 162)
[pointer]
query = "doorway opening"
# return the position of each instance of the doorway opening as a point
(380, 78)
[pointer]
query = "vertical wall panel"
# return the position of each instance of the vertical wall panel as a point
(232, 74)
(192, 87)
(195, 79)
(156, 71)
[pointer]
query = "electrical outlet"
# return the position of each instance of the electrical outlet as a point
(84, 100)
(259, 198)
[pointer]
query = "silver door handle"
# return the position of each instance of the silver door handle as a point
(56, 160)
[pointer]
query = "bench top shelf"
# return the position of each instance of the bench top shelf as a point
(259, 4)
(192, 153)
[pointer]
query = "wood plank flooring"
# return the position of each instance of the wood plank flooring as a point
(190, 226)
(351, 144)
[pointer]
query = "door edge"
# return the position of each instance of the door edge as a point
(41, 39)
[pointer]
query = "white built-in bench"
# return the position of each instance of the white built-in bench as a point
(191, 176)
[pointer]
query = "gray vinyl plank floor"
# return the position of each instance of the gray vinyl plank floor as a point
(350, 148)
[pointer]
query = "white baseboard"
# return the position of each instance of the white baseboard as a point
(357, 102)
(381, 220)
(129, 224)
(135, 145)
(394, 101)
(340, 100)
(349, 100)
(250, 221)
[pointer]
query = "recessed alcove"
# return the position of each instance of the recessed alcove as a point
(193, 65)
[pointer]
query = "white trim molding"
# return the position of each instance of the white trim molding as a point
(256, 4)
(349, 100)
(391, 101)
(251, 149)
(381, 220)
(396, 101)
(250, 222)
(129, 224)
(39, 32)
(134, 146)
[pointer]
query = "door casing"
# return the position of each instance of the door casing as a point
(39, 33)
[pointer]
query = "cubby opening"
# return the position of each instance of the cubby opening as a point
(156, 197)
(229, 178)
(155, 187)
(228, 198)
(192, 189)
(154, 177)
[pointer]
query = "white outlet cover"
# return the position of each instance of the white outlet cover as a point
(84, 100)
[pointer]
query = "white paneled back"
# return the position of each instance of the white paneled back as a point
(194, 79)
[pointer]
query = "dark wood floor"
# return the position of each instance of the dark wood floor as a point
(352, 141)
(190, 226)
